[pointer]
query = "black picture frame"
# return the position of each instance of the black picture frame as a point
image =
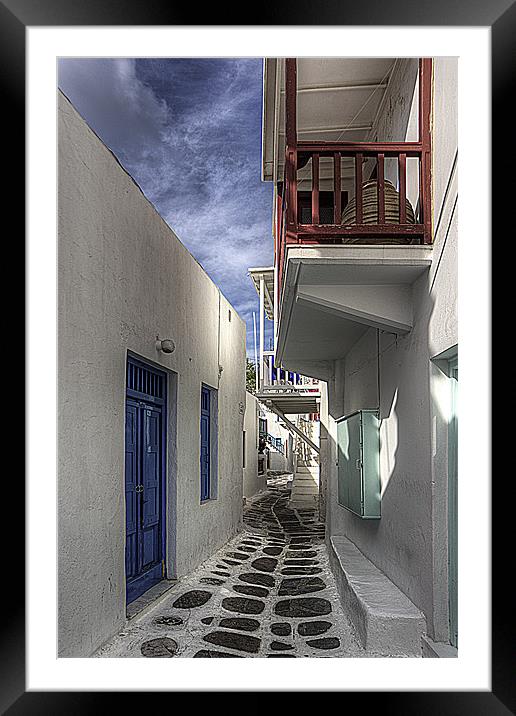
(500, 15)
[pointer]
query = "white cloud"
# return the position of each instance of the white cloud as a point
(195, 154)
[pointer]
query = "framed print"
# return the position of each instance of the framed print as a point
(267, 240)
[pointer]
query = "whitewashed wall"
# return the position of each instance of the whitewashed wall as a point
(124, 278)
(253, 482)
(409, 542)
(277, 461)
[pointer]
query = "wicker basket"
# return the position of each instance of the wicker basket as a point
(370, 210)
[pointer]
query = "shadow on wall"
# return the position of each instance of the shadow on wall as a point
(392, 373)
(404, 399)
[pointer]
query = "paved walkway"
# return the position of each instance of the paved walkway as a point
(305, 486)
(268, 593)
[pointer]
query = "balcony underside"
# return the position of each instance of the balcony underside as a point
(291, 403)
(333, 294)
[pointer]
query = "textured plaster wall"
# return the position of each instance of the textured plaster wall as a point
(397, 121)
(277, 461)
(409, 542)
(253, 482)
(124, 278)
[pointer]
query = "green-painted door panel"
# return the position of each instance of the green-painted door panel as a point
(371, 464)
(358, 439)
(350, 459)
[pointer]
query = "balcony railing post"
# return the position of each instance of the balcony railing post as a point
(358, 188)
(291, 102)
(425, 110)
(291, 191)
(315, 188)
(381, 189)
(402, 181)
(337, 191)
(291, 141)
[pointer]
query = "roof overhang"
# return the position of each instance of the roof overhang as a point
(333, 294)
(268, 279)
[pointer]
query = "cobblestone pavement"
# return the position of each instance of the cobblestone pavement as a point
(269, 592)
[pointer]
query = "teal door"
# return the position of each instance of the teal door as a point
(452, 505)
(349, 438)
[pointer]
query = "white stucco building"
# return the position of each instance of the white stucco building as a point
(254, 480)
(363, 156)
(145, 494)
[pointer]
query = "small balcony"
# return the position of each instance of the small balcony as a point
(279, 380)
(289, 391)
(347, 143)
(341, 192)
(278, 388)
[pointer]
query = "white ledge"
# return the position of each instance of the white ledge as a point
(387, 622)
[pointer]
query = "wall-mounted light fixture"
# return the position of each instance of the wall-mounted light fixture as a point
(166, 345)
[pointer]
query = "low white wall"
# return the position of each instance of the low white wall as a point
(124, 278)
(277, 461)
(253, 482)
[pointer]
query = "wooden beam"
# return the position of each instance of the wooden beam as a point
(291, 140)
(350, 149)
(348, 128)
(291, 102)
(366, 230)
(425, 115)
(341, 88)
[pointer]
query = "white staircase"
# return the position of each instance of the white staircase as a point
(305, 484)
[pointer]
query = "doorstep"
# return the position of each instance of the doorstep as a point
(386, 621)
(149, 597)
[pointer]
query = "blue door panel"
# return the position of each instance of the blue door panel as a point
(131, 478)
(144, 479)
(150, 552)
(151, 467)
(205, 444)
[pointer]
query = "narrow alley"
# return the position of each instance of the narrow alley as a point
(268, 593)
(258, 429)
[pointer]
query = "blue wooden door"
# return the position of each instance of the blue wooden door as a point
(144, 478)
(205, 443)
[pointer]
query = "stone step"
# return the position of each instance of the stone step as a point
(387, 622)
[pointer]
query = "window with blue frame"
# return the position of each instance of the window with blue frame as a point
(208, 443)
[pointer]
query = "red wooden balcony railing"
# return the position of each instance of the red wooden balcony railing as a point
(414, 226)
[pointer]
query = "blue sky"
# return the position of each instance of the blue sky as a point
(189, 132)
